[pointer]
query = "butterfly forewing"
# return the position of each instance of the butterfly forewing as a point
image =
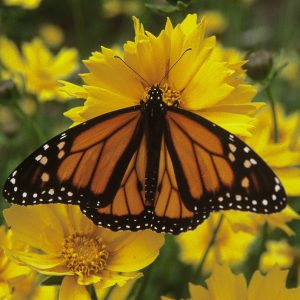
(85, 163)
(215, 170)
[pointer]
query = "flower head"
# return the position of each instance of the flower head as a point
(281, 156)
(203, 81)
(216, 21)
(252, 223)
(278, 253)
(38, 67)
(225, 285)
(16, 281)
(63, 242)
(52, 34)
(229, 246)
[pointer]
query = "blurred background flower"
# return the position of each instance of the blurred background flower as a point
(37, 69)
(27, 4)
(216, 22)
(52, 34)
(229, 246)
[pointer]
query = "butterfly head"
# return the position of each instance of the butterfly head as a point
(155, 94)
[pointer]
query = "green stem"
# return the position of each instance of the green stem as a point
(144, 283)
(273, 109)
(92, 292)
(211, 243)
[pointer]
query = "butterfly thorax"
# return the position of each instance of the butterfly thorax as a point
(154, 111)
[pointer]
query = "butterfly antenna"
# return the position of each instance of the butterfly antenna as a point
(126, 64)
(185, 51)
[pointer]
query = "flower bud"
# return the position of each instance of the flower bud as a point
(259, 64)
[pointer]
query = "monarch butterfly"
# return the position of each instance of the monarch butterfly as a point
(147, 166)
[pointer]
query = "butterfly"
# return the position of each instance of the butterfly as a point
(151, 165)
(147, 166)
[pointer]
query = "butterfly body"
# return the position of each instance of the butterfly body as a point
(154, 110)
(147, 166)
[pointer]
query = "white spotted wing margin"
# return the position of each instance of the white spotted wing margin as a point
(54, 173)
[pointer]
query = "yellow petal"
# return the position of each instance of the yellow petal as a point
(112, 278)
(10, 55)
(224, 285)
(140, 250)
(267, 287)
(65, 63)
(290, 178)
(73, 89)
(71, 290)
(5, 291)
(278, 253)
(118, 292)
(74, 115)
(279, 220)
(36, 53)
(36, 261)
(242, 94)
(34, 225)
(109, 73)
(198, 292)
(238, 124)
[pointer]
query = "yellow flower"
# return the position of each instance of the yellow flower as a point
(27, 287)
(252, 223)
(65, 243)
(279, 156)
(216, 21)
(225, 285)
(278, 253)
(27, 4)
(52, 34)
(229, 247)
(11, 274)
(38, 67)
(202, 81)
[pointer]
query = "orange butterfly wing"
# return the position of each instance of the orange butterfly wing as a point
(84, 164)
(216, 170)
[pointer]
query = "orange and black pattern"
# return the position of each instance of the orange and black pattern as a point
(148, 166)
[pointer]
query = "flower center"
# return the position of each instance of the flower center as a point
(84, 254)
(170, 95)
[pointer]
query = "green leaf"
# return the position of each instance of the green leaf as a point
(171, 7)
(163, 8)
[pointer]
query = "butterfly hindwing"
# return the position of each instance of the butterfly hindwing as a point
(170, 211)
(127, 209)
(215, 170)
(83, 164)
